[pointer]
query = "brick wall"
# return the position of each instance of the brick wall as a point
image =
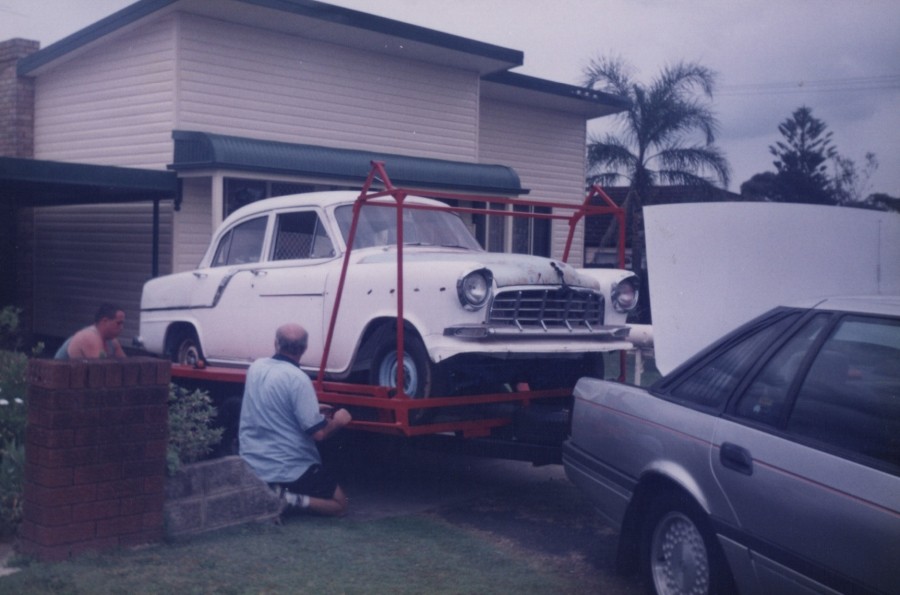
(16, 100)
(95, 455)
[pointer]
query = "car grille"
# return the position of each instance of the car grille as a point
(548, 309)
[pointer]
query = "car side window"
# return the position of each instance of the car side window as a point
(710, 384)
(242, 243)
(301, 235)
(851, 396)
(764, 399)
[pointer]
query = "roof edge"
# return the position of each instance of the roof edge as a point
(307, 8)
(522, 81)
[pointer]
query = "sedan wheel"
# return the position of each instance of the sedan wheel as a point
(681, 554)
(679, 562)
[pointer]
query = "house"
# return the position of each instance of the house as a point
(238, 100)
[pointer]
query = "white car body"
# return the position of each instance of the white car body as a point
(233, 308)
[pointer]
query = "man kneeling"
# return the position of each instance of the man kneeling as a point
(281, 421)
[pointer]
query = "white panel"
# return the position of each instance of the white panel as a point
(547, 149)
(112, 105)
(193, 224)
(248, 82)
(87, 255)
(713, 266)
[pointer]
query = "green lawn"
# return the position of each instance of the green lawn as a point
(415, 554)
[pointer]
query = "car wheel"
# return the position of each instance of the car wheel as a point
(680, 551)
(187, 349)
(417, 370)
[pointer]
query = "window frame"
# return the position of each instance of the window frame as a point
(781, 429)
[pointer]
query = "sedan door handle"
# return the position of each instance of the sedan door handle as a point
(259, 273)
(736, 458)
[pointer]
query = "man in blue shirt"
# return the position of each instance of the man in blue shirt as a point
(281, 421)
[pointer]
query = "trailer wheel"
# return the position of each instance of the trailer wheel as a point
(418, 372)
(186, 348)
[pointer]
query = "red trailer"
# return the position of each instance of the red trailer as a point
(522, 423)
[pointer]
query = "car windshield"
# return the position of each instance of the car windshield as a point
(378, 227)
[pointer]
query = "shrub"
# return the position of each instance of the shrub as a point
(191, 432)
(12, 470)
(13, 416)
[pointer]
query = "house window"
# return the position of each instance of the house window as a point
(240, 192)
(531, 235)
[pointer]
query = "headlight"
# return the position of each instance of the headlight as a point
(625, 295)
(474, 289)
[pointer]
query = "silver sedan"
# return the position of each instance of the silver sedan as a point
(767, 463)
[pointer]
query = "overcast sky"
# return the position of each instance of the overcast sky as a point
(839, 57)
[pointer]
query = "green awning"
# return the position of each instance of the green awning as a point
(205, 151)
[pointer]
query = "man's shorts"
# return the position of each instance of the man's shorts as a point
(317, 482)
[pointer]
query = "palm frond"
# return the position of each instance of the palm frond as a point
(692, 160)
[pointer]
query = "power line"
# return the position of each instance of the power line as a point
(842, 85)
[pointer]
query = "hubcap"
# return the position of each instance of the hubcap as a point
(387, 373)
(678, 558)
(189, 354)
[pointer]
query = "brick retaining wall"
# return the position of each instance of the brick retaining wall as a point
(95, 455)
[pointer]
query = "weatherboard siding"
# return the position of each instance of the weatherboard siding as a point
(193, 226)
(547, 149)
(297, 90)
(86, 255)
(112, 104)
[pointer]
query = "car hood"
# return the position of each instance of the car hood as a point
(507, 269)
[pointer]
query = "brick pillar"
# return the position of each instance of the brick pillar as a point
(95, 455)
(16, 100)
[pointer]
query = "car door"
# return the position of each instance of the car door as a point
(290, 286)
(219, 298)
(808, 459)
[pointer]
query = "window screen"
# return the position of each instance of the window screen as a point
(300, 235)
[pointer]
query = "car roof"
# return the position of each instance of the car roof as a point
(888, 305)
(321, 199)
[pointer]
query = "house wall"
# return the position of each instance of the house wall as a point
(547, 149)
(261, 84)
(113, 104)
(192, 224)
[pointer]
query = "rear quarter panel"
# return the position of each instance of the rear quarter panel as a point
(632, 435)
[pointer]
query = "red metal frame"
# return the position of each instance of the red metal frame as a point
(391, 406)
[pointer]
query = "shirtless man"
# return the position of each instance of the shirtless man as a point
(98, 340)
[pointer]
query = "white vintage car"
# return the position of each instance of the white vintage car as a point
(474, 320)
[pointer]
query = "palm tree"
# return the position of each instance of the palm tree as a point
(667, 136)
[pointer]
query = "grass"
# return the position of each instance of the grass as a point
(414, 554)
